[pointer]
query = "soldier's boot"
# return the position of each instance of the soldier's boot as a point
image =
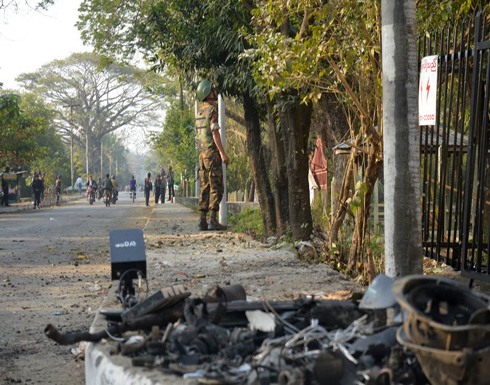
(203, 223)
(213, 222)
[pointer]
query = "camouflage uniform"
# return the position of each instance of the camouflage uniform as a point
(210, 163)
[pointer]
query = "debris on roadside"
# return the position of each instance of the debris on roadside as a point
(440, 335)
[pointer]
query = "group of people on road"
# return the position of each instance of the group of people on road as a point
(108, 189)
(163, 181)
(92, 187)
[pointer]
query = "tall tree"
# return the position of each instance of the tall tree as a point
(53, 157)
(311, 47)
(176, 143)
(194, 37)
(92, 98)
(17, 133)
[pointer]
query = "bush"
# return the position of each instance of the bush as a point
(249, 222)
(319, 210)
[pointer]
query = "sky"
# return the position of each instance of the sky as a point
(29, 39)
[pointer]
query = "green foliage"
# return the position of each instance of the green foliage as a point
(319, 212)
(238, 171)
(375, 244)
(111, 26)
(358, 199)
(176, 145)
(116, 160)
(345, 33)
(189, 36)
(152, 164)
(432, 14)
(248, 222)
(53, 157)
(17, 133)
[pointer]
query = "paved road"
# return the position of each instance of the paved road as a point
(54, 268)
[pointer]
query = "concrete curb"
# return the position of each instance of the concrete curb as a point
(12, 208)
(232, 207)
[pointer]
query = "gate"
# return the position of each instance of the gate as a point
(455, 152)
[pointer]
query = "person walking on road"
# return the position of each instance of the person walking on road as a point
(57, 186)
(100, 190)
(163, 187)
(37, 187)
(5, 190)
(115, 187)
(148, 188)
(41, 178)
(91, 187)
(211, 157)
(170, 184)
(158, 186)
(132, 187)
(107, 188)
(79, 184)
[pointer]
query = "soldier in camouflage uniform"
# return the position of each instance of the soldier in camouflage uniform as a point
(211, 157)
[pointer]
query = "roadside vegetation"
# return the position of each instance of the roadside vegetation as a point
(248, 222)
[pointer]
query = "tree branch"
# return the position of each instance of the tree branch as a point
(304, 25)
(346, 85)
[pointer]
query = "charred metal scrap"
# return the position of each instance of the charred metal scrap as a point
(442, 336)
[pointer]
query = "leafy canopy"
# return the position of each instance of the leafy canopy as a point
(176, 145)
(17, 132)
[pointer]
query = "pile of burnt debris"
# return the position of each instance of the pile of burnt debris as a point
(416, 330)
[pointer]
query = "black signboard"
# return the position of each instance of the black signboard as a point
(127, 252)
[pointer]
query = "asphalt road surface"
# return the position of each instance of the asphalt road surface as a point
(55, 268)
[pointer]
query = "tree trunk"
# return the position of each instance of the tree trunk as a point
(181, 99)
(373, 168)
(331, 123)
(87, 151)
(295, 126)
(280, 176)
(251, 192)
(403, 233)
(344, 193)
(257, 163)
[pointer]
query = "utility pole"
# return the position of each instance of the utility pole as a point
(223, 209)
(110, 162)
(86, 150)
(198, 184)
(101, 158)
(71, 142)
(71, 157)
(403, 219)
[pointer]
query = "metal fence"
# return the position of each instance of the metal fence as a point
(455, 152)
